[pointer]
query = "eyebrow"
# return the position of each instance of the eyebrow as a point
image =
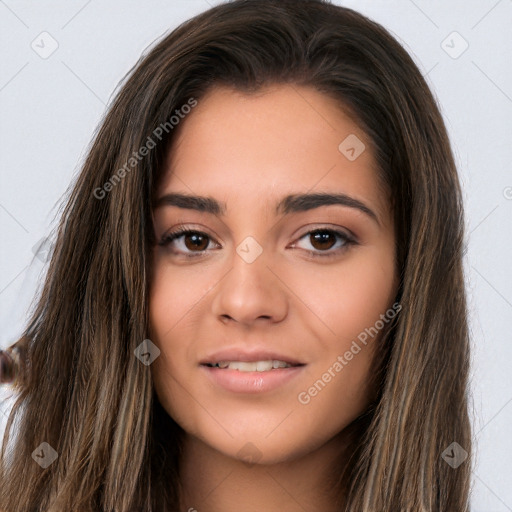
(289, 204)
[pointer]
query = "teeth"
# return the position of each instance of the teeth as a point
(263, 366)
(280, 364)
(256, 366)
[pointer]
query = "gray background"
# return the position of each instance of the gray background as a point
(50, 106)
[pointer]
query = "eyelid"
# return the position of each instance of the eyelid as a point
(183, 229)
(186, 228)
(328, 227)
(348, 238)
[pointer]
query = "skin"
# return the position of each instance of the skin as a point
(249, 151)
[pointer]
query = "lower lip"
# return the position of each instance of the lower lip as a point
(251, 382)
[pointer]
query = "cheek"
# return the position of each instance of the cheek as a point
(171, 295)
(170, 299)
(350, 305)
(177, 299)
(347, 298)
(348, 312)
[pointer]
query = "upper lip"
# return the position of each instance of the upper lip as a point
(247, 355)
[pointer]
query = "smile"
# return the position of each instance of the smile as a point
(253, 366)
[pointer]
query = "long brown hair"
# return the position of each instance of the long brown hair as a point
(82, 390)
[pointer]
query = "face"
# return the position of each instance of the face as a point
(265, 275)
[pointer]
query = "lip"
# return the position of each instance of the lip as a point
(248, 356)
(251, 382)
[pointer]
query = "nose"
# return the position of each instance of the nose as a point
(250, 293)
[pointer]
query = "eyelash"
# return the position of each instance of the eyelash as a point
(181, 231)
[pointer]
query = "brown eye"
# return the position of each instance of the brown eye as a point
(186, 242)
(195, 241)
(322, 240)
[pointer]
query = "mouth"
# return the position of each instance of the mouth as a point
(253, 366)
(239, 370)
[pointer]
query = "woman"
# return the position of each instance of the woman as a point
(256, 297)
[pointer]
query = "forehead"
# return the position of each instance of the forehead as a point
(254, 148)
